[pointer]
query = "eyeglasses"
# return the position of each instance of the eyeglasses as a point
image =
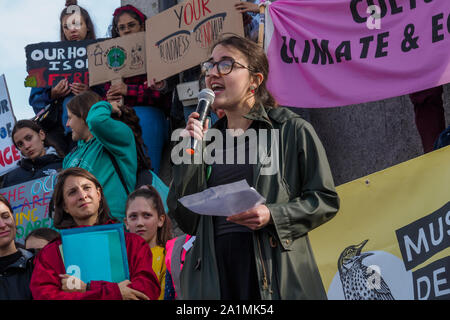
(224, 67)
(129, 25)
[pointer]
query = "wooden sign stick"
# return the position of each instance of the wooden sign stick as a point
(262, 22)
(118, 81)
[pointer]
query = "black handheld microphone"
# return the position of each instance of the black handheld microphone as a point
(205, 100)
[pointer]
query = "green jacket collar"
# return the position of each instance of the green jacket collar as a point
(257, 113)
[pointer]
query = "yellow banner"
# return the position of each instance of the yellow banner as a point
(391, 236)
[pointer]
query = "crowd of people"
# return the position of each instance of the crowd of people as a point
(107, 134)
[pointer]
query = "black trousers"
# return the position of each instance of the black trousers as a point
(237, 268)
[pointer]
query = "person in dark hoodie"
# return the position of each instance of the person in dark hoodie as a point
(40, 157)
(16, 265)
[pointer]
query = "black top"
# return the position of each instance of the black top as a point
(239, 169)
(6, 261)
(15, 276)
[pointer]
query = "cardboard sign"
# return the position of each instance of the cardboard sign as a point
(50, 62)
(117, 58)
(9, 155)
(30, 203)
(180, 38)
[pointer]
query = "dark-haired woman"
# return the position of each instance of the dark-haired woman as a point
(100, 137)
(149, 101)
(40, 157)
(264, 252)
(16, 264)
(61, 93)
(79, 202)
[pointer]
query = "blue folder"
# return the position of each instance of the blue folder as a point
(98, 253)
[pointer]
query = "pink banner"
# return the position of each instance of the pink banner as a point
(327, 53)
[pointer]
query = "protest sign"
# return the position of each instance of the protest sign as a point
(50, 62)
(341, 52)
(391, 236)
(117, 58)
(30, 202)
(9, 155)
(179, 38)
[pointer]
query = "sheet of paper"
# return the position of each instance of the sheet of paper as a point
(224, 200)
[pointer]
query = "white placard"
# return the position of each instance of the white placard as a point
(9, 155)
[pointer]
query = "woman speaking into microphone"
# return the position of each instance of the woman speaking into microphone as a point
(262, 253)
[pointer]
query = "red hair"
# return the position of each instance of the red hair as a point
(128, 8)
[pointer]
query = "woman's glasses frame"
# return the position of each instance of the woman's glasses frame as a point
(227, 64)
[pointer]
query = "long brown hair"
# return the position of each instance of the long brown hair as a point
(87, 19)
(148, 192)
(61, 218)
(257, 63)
(30, 124)
(82, 103)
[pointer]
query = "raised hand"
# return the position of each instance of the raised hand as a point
(62, 89)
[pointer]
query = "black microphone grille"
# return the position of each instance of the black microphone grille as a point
(207, 94)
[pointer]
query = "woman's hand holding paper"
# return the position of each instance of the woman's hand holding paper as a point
(255, 218)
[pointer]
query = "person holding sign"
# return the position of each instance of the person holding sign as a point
(147, 218)
(40, 157)
(106, 133)
(264, 252)
(75, 25)
(149, 102)
(16, 265)
(79, 201)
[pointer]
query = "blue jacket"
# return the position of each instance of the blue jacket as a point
(15, 280)
(29, 170)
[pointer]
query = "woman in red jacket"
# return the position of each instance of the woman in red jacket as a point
(79, 201)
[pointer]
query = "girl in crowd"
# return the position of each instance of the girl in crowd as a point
(16, 265)
(39, 238)
(40, 157)
(262, 253)
(60, 94)
(145, 216)
(101, 138)
(150, 103)
(79, 201)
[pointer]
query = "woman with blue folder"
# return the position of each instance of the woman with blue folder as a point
(79, 202)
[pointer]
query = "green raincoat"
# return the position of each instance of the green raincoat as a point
(300, 196)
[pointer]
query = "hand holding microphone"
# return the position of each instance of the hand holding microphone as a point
(196, 127)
